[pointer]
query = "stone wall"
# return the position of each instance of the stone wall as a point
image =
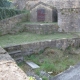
(8, 25)
(59, 4)
(9, 69)
(41, 28)
(68, 13)
(15, 25)
(69, 19)
(35, 47)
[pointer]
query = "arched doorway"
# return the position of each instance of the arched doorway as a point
(55, 15)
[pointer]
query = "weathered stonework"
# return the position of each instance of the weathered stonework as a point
(68, 13)
(8, 25)
(9, 69)
(68, 19)
(12, 26)
(35, 47)
(59, 4)
(48, 12)
(41, 28)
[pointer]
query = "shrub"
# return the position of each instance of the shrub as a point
(6, 12)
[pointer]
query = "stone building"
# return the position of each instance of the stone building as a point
(68, 13)
(41, 12)
(27, 4)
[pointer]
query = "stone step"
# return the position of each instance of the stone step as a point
(19, 59)
(16, 55)
(15, 52)
(13, 48)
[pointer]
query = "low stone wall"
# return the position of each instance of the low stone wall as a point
(18, 23)
(8, 25)
(9, 69)
(41, 28)
(30, 48)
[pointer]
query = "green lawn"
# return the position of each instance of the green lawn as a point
(7, 40)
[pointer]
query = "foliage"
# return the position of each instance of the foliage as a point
(48, 65)
(32, 78)
(4, 3)
(5, 12)
(44, 78)
(53, 62)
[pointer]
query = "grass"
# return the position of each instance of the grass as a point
(40, 23)
(53, 60)
(78, 34)
(25, 37)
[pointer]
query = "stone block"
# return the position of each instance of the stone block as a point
(2, 51)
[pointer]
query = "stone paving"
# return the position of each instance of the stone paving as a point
(72, 73)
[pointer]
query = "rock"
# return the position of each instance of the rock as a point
(75, 51)
(9, 69)
(50, 72)
(2, 51)
(32, 65)
(31, 73)
(44, 74)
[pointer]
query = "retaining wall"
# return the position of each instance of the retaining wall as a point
(8, 25)
(18, 24)
(35, 47)
(41, 28)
